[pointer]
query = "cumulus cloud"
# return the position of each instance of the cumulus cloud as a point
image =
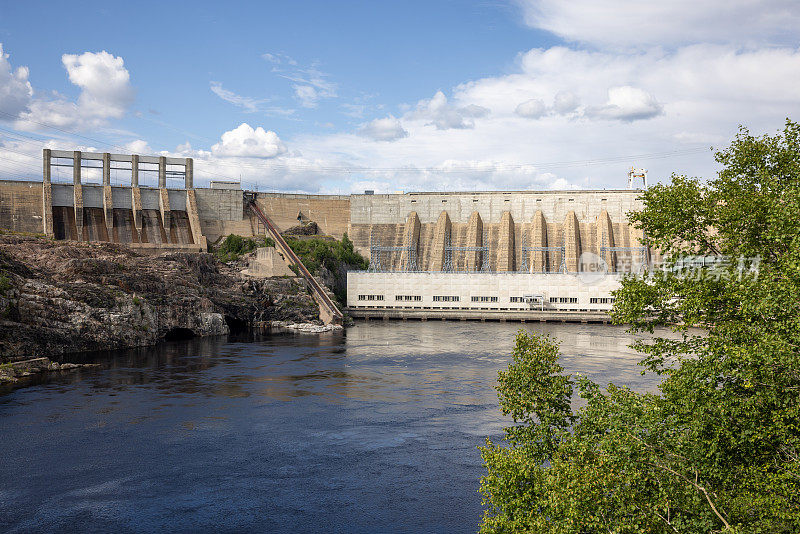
(386, 129)
(15, 89)
(104, 80)
(445, 116)
(565, 102)
(675, 22)
(594, 105)
(244, 141)
(628, 103)
(612, 105)
(531, 109)
(106, 93)
(138, 146)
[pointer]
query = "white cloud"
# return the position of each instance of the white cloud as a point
(671, 22)
(138, 146)
(565, 102)
(106, 94)
(561, 184)
(306, 95)
(651, 103)
(386, 129)
(244, 141)
(356, 111)
(184, 149)
(278, 58)
(628, 103)
(15, 89)
(531, 109)
(104, 80)
(310, 85)
(438, 112)
(250, 105)
(594, 105)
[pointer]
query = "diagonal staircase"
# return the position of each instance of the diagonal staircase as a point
(328, 311)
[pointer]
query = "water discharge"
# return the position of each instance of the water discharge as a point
(374, 430)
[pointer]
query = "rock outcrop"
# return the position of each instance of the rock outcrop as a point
(59, 297)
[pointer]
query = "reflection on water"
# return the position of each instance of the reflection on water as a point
(373, 430)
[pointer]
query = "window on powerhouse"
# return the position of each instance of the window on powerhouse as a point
(370, 297)
(416, 298)
(564, 300)
(484, 299)
(446, 298)
(601, 300)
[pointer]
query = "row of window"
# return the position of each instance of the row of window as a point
(522, 299)
(564, 300)
(444, 201)
(370, 297)
(455, 298)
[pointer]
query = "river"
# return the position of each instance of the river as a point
(371, 430)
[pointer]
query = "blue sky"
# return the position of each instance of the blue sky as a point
(377, 54)
(341, 96)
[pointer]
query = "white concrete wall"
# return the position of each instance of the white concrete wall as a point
(587, 205)
(584, 287)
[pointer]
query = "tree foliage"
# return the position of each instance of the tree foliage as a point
(718, 448)
(337, 257)
(235, 246)
(330, 253)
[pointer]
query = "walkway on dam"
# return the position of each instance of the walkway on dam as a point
(481, 315)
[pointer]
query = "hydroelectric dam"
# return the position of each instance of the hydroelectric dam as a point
(504, 255)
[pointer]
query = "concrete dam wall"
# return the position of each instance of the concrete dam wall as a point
(534, 231)
(462, 232)
(496, 231)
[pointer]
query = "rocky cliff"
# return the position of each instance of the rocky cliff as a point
(59, 297)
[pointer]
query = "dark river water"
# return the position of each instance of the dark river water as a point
(372, 430)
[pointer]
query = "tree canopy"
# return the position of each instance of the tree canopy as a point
(717, 449)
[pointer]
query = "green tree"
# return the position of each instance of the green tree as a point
(718, 448)
(234, 246)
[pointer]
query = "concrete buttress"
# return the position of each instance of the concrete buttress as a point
(605, 238)
(411, 241)
(505, 242)
(474, 239)
(77, 194)
(440, 234)
(47, 197)
(572, 242)
(108, 203)
(194, 219)
(538, 259)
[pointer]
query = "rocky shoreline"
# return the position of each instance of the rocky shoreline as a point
(14, 372)
(59, 297)
(307, 328)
